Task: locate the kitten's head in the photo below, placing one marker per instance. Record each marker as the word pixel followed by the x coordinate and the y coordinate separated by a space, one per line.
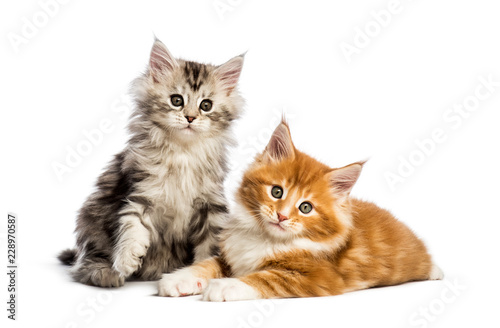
pixel 188 99
pixel 291 195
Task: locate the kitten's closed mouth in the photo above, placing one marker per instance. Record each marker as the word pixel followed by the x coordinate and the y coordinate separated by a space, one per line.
pixel 277 225
pixel 188 129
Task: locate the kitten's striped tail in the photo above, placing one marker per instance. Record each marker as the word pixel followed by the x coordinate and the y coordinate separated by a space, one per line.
pixel 67 256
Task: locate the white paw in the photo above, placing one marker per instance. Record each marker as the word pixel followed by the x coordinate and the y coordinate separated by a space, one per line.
pixel 181 283
pixel 128 258
pixel 229 289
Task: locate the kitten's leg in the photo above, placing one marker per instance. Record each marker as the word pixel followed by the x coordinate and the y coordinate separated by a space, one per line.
pixel 191 280
pixel 208 247
pixel 92 266
pixel 205 228
pixel 132 243
pixel 267 284
pixel 97 272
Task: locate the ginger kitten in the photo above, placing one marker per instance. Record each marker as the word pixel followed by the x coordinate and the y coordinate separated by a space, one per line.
pixel 295 232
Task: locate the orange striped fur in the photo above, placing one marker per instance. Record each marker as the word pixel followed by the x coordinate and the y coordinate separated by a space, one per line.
pixel 275 250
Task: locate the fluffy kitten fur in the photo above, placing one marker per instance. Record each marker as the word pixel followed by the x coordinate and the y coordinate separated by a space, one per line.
pixel 270 249
pixel 159 204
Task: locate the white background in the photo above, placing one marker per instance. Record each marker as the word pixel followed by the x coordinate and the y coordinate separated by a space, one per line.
pixel 73 72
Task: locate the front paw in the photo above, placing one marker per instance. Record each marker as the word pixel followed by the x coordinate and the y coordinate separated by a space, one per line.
pixel 128 259
pixel 181 283
pixel 229 289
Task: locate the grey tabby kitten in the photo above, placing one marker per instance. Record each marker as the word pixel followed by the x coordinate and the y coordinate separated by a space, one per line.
pixel 159 204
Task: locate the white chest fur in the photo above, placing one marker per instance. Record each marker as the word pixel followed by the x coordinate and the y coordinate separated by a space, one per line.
pixel 245 246
pixel 177 177
pixel 245 253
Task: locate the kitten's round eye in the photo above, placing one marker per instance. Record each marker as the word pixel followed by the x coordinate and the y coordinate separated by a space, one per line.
pixel 277 192
pixel 305 207
pixel 177 100
pixel 206 105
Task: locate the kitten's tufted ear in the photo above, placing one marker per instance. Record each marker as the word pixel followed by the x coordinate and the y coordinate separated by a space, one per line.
pixel 343 179
pixel 229 73
pixel 280 146
pixel 161 61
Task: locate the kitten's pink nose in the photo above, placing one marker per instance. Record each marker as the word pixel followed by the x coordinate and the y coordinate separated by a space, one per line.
pixel 281 217
pixel 190 119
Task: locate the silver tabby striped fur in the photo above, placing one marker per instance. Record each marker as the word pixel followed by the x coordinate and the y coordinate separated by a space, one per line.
pixel 160 203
